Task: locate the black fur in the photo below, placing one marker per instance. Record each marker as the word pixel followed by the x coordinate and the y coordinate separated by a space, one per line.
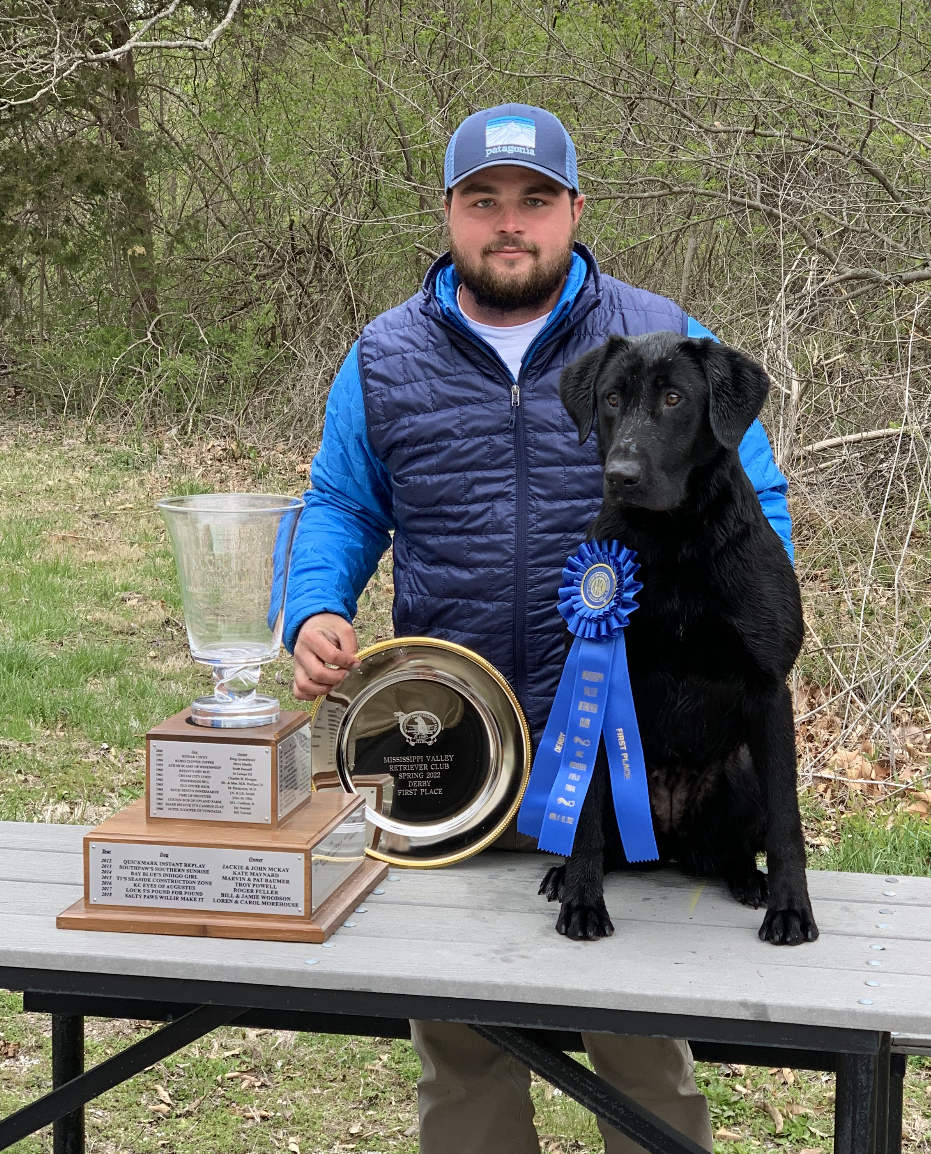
pixel 717 632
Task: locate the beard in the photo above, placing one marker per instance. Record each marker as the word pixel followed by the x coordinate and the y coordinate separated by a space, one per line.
pixel 509 293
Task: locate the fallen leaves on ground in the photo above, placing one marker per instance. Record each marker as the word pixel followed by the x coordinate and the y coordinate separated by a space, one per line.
pixel 773 1112
pixel 8 1049
pixel 252 1113
pixel 246 1078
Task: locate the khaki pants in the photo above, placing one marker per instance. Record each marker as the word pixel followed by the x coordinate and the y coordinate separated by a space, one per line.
pixel 474 1099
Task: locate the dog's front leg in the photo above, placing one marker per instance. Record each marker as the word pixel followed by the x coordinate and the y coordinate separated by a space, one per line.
pixel 583 915
pixel 771 738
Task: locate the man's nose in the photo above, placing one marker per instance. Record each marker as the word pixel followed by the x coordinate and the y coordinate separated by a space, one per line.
pixel 623 474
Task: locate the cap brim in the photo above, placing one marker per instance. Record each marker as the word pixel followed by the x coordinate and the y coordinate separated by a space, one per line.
pixel 508 162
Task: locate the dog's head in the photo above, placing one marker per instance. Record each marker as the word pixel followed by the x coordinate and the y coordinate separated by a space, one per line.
pixel 663 406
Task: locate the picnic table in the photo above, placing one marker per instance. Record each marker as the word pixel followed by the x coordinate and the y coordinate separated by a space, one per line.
pixel 473 943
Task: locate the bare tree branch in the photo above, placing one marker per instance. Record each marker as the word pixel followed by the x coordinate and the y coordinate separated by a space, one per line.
pixel 859 438
pixel 38 52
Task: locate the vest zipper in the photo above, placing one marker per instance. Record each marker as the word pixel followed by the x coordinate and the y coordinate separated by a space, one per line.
pixel 520 540
pixel 515 403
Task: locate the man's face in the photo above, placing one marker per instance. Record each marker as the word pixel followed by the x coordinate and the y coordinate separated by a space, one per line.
pixel 510 235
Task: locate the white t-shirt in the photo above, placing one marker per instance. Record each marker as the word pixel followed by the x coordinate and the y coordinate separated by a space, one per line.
pixel 509 343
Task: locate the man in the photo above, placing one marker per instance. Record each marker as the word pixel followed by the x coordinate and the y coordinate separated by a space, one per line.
pixel 444 425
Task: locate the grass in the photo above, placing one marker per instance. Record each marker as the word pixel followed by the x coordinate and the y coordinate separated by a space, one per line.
pixel 93 652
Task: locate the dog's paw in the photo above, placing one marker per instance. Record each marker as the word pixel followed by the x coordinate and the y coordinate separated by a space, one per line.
pixel 750 889
pixel 584 921
pixel 789 927
pixel 553 884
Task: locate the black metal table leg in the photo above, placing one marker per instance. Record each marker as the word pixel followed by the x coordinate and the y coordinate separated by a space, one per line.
pixel 881 1114
pixel 855 1103
pixel 604 1101
pixel 67 1099
pixel 898 1063
pixel 67 1063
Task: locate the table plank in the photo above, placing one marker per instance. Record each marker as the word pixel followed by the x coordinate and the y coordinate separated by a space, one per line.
pixel 38 835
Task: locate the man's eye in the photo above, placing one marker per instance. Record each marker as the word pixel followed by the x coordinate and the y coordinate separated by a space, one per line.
pixel 672 399
pixel 612 400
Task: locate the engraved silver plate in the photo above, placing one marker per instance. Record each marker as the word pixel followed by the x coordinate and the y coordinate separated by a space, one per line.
pixel 434 739
pixel 337 857
pixel 213 782
pixel 242 881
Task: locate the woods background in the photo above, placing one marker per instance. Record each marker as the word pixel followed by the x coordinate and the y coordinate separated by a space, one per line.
pixel 192 234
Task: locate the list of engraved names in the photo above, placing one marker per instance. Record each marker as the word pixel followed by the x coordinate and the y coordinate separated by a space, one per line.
pixel 197 877
pixel 210 781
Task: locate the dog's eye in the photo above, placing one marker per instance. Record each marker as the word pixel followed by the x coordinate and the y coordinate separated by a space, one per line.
pixel 611 398
pixel 672 399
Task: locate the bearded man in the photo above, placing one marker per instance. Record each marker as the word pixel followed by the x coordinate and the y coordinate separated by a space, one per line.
pixel 444 426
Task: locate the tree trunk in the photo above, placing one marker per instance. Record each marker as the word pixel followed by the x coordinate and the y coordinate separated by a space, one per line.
pixel 135 233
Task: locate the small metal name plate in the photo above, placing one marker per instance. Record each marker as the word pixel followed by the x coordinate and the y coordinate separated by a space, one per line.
pixel 213 781
pixel 337 857
pixel 294 755
pixel 197 878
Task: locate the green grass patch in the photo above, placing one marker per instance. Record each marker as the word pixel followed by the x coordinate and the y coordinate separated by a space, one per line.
pixel 868 846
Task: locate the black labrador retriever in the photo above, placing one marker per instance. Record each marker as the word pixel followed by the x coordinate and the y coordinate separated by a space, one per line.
pixel 710 647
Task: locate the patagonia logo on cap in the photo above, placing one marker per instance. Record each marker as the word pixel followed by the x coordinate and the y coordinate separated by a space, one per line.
pixel 510 134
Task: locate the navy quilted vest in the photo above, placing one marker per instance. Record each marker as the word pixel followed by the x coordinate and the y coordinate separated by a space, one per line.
pixel 490 499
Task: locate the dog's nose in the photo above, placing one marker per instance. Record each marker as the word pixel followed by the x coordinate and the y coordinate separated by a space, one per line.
pixel 623 474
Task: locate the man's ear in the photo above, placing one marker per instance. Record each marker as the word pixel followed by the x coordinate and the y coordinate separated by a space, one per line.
pixel 578 380
pixel 738 387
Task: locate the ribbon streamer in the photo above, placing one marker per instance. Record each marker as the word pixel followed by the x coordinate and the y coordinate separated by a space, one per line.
pixel 594 699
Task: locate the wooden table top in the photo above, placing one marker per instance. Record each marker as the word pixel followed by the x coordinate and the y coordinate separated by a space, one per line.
pixel 478 930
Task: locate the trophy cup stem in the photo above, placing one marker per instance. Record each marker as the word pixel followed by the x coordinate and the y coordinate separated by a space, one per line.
pixel 235 704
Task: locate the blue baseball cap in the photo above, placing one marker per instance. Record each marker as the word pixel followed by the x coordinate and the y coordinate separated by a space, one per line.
pixel 512 134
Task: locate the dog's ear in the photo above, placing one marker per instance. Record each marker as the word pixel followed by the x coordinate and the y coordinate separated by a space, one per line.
pixel 738 387
pixel 578 380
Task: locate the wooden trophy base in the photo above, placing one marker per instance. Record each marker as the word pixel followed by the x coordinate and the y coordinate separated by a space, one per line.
pixel 197 880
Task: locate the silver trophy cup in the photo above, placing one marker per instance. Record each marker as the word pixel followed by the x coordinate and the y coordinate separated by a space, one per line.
pixel 232 552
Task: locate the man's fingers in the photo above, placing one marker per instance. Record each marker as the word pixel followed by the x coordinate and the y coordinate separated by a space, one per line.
pixel 319 673
pixel 315 680
pixel 308 691
pixel 323 645
pixel 324 652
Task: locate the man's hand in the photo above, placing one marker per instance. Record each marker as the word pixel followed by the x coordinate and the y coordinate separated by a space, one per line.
pixel 324 653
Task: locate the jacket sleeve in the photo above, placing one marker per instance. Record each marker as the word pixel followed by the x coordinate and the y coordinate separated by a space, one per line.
pixel 756 456
pixel 347 520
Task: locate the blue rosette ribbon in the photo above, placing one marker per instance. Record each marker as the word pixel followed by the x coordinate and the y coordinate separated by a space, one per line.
pixel 594 700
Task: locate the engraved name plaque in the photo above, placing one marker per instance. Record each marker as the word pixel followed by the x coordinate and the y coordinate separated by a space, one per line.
pixel 191 779
pixel 294 770
pixel 197 878
pixel 335 857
